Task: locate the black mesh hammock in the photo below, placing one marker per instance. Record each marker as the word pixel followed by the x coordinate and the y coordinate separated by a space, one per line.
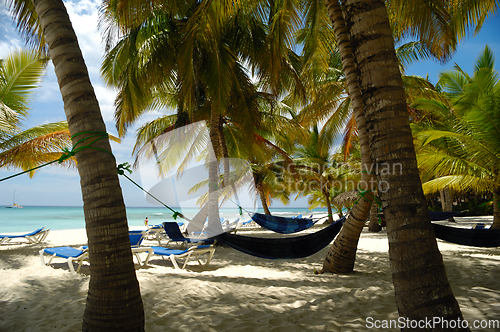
pixel 283 248
pixel 443 215
pixel 282 225
pixel 468 237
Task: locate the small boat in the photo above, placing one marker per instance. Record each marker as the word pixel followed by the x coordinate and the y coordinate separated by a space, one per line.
pixel 14 205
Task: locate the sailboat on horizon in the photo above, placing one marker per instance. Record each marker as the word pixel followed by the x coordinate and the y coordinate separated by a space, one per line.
pixel 14 205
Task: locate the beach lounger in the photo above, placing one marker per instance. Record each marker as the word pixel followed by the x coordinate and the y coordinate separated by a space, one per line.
pixel 80 255
pixel 156 232
pixel 175 254
pixel 230 226
pixel 246 224
pixel 136 238
pixel 68 253
pixel 34 237
pixel 174 233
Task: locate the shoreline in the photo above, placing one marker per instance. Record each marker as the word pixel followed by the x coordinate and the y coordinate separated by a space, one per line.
pixel 238 292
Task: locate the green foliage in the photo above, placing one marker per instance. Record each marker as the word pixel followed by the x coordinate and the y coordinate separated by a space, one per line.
pixel 459 142
pixel 20 74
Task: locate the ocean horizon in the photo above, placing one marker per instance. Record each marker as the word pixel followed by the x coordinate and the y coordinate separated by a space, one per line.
pixel 30 218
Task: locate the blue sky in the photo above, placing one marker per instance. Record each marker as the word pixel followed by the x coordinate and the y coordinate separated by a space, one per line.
pixel 54 186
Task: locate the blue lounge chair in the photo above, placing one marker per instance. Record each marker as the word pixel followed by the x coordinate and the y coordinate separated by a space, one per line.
pixel 157 232
pixel 230 226
pixel 68 253
pixel 34 237
pixel 195 251
pixel 80 255
pixel 174 233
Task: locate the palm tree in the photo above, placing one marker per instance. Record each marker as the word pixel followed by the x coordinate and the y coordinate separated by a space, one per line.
pixel 402 198
pixel 201 73
pixel 342 254
pixel 438 37
pixel 204 74
pixel 341 177
pixel 341 257
pixel 114 301
pixel 316 167
pixel 459 145
pixel 270 151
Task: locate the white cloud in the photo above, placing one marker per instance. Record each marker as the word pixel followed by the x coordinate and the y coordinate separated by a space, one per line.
pixel 9 40
pixel 106 97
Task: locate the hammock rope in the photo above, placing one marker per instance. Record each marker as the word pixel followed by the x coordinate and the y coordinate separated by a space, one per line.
pixel 126 167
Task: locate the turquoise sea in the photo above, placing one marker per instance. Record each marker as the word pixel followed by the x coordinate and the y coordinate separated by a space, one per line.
pixel 30 218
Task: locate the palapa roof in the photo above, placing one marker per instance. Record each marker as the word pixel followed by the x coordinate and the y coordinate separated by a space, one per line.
pixel 346 198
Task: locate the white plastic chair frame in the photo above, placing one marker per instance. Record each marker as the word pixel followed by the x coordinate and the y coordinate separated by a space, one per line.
pixel 32 239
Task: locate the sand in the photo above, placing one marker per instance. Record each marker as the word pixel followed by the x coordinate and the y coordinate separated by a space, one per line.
pixel 238 292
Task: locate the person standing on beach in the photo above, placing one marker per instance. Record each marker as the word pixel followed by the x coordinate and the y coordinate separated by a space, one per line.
pixel 146 221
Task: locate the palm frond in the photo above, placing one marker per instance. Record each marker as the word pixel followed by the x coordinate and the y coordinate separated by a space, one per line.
pixel 459 183
pixel 37 146
pixel 22 72
pixel 28 24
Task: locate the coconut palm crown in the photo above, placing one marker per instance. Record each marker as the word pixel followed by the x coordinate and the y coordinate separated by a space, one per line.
pixel 460 142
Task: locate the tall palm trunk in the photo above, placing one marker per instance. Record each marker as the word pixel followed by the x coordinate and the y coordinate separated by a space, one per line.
pixel 214 224
pixel 224 152
pixel 342 254
pixel 448 201
pixel 441 198
pixel 420 282
pixel 373 225
pixel 496 210
pixel 114 301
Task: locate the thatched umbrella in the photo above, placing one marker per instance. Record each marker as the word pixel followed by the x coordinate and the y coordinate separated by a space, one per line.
pixel 346 198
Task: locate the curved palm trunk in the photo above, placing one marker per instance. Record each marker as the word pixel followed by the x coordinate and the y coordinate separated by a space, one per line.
pixel 114 300
pixel 339 209
pixel 342 254
pixel 214 224
pixel 263 201
pixel 421 286
pixel 262 195
pixel 328 206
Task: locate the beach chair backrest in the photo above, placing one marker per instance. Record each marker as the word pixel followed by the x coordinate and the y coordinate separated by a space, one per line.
pixel 136 238
pixel 35 232
pixel 173 231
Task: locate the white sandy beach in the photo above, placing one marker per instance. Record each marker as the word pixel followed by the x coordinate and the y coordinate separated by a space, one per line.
pixel 238 292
